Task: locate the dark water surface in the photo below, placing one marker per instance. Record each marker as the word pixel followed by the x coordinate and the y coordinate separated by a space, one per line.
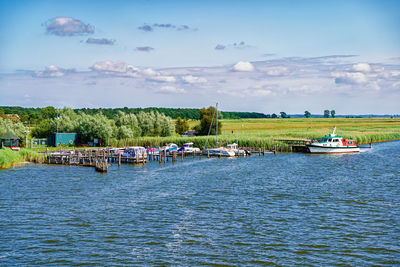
pixel 286 209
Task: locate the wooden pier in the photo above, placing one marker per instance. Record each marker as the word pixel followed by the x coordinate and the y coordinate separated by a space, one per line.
pixel 101 159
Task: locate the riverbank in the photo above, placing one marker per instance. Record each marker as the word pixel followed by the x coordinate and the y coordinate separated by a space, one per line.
pixel 269 133
pixel 9 158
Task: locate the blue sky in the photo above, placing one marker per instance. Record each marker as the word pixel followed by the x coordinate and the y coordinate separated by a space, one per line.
pixel 249 55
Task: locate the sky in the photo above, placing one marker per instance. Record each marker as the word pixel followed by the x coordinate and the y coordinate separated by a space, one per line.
pixel 262 56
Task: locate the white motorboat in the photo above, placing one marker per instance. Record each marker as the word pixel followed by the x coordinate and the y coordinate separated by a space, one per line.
pixel 333 144
pixel 188 148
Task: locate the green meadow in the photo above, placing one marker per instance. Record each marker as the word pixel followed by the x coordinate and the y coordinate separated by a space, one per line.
pixel 267 133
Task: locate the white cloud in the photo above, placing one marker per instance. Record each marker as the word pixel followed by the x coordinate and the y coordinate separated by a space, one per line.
pixel 149 72
pixel 395 73
pixel 243 66
pixel 110 66
pixel 66 26
pixel 278 71
pixel 170 90
pixel 169 79
pixel 52 71
pixel 361 67
pixel 193 79
pixel 350 78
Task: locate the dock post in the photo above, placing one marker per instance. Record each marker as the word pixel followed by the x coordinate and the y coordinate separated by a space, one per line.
pixel 182 154
pixel 165 156
pixel 174 156
pixel 208 153
pixel 119 159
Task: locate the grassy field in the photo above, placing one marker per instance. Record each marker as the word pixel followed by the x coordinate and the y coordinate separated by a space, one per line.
pixel 266 133
pixel 256 133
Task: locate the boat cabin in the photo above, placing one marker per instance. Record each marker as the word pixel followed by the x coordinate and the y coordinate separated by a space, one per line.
pixel 232 146
pixel 188 145
pixel 338 140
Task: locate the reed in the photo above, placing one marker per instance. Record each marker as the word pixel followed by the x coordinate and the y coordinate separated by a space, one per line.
pixel 9 158
pixel 266 133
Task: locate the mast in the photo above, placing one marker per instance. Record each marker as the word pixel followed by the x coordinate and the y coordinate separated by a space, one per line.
pixel 216 126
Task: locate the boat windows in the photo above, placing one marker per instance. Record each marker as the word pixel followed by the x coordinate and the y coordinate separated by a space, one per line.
pixel 329 140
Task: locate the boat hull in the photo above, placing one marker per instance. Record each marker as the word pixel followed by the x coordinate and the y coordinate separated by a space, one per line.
pixel 331 150
pixel 218 152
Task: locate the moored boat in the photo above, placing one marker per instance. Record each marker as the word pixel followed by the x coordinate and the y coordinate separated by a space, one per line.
pixel 188 148
pixel 333 144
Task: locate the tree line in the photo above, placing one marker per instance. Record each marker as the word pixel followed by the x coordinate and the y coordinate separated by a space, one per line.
pixel 35 115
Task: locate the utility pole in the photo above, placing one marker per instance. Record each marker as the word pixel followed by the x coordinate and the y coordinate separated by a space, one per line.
pixel 216 111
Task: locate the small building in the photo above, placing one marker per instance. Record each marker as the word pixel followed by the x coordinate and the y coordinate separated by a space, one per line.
pixel 189 133
pixel 56 139
pixel 9 139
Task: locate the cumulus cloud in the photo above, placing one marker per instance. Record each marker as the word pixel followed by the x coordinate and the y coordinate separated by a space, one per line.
pixel 243 66
pixel 150 28
pixel 149 72
pixel 170 90
pixel 102 41
pixel 66 26
pixel 52 71
pixel 109 66
pixel 361 67
pixel 350 78
pixel 220 47
pixel 193 79
pixel 161 78
pixel 144 48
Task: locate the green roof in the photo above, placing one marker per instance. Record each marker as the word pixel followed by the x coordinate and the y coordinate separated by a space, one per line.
pixel 8 135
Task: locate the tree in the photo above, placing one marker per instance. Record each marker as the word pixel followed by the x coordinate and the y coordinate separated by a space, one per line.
pixel 333 113
pixel 208 121
pixel 283 115
pixel 181 125
pixel 274 115
pixel 307 114
pixel 326 113
pixel 48 112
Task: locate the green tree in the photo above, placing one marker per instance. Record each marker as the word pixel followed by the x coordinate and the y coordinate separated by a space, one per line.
pixel 181 125
pixel 283 115
pixel 307 114
pixel 48 112
pixel 326 113
pixel 333 113
pixel 208 121
pixel 274 115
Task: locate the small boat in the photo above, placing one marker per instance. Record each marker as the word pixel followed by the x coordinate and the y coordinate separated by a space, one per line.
pixel 170 147
pixel 332 144
pixel 188 148
pixel 218 152
pixel 238 152
pixel 134 151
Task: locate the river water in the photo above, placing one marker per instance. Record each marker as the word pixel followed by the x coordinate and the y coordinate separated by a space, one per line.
pixel 283 210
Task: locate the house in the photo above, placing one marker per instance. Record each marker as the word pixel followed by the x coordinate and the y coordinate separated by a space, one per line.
pixel 189 133
pixel 9 139
pixel 56 139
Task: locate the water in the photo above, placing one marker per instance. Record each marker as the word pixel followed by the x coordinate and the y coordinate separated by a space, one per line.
pixel 283 210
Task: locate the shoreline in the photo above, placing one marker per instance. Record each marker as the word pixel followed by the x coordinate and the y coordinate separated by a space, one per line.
pixel 36 161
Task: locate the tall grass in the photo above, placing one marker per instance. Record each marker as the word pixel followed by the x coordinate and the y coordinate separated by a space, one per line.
pixel 9 158
pixel 266 133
